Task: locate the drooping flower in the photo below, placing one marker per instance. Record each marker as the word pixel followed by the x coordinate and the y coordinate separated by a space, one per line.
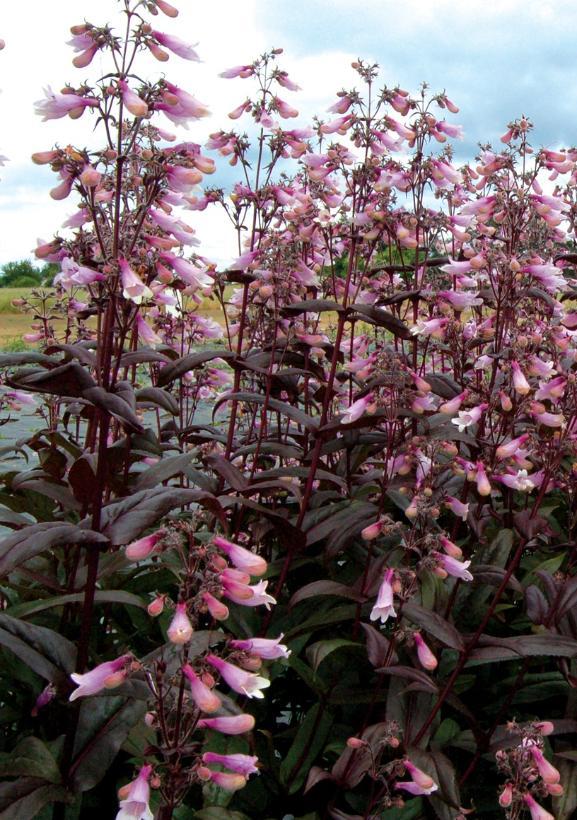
pixel 135 805
pixel 60 105
pixel 242 764
pixel 426 657
pixel 468 417
pixel 228 725
pixel 145 333
pixel 144 547
pixel 243 682
pixel 547 771
pixel 457 507
pixel 242 558
pixel 384 606
pixel 133 286
pixel 217 609
pixel 357 409
pixel 453 567
pixel 135 104
pixel 106 675
pixel 266 648
pixel 205 698
pixel 229 781
pixel 180 629
pixel 258 594
pixel 421 782
pixel 537 811
pixel 176 45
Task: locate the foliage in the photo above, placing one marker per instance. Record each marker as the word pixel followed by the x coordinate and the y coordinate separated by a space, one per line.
pixel 24 274
pixel 382 425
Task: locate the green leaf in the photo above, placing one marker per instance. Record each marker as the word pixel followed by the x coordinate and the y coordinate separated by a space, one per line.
pixel 101 596
pixel 43 650
pixel 165 469
pixel 318 652
pixel 103 725
pixel 218 813
pixel 33 540
pixel 30 758
pixel 308 743
pixel 22 799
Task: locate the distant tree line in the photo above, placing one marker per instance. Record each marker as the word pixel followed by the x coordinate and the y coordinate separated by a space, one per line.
pixel 24 274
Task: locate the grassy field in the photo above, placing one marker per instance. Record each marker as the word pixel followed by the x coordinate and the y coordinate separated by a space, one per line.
pixel 14 324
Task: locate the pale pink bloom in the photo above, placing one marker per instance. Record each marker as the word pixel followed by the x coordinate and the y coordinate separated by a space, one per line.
pixel 59 105
pixel 451 549
pixel 421 782
pixel 454 131
pixel 228 725
pixel 135 805
pixel 266 648
pixel 240 109
pixel 550 419
pixel 243 261
pixel 537 811
pixel 468 417
pixel 423 404
pixel 74 274
pixel 520 383
pixel 458 569
pixel 426 658
pixel 510 448
pixel 183 179
pixel 195 277
pixel 224 780
pixel 176 45
pixel 429 327
pixel 180 106
pixel 106 675
pixel 138 550
pixel 145 333
pixel 339 125
pixel 217 609
pixel 156 607
pixel 506 796
pixel 45 157
pixel 79 218
pixel 413 788
pixel 166 8
pixel 284 109
pixel 372 531
pixel 90 176
pixel 341 106
pixel 457 507
pixel 242 764
pixel 384 605
pixel 283 79
pixel 547 771
pixel 131 100
pixel 242 558
pixel 521 481
pixel 483 483
pixel 551 390
pixel 451 406
pixel 238 71
pixel 206 699
pixel 549 276
pixel 133 286
pixel 460 300
pixel 258 597
pixel 243 682
pixel 356 409
pixel 180 629
pixel 62 190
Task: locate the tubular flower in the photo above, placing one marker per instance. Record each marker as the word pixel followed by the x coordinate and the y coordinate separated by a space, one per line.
pixel 176 45
pixel 60 105
pixel 228 725
pixel 383 608
pixel 133 286
pixel 426 658
pixel 238 593
pixel 537 811
pixel 217 609
pixel 180 629
pixel 242 558
pixel 138 550
pixel 239 763
pixel 106 675
pixel 135 805
pixel 458 569
pixel 206 699
pixel 131 100
pixel 266 648
pixel 245 683
pixel 421 783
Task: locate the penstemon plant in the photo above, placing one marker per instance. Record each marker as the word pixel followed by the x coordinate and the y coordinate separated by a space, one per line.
pixel 379 415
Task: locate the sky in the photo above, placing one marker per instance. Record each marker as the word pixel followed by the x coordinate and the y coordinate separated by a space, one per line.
pixel 497 59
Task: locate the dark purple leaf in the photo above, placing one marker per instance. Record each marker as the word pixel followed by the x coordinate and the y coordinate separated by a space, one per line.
pixel 433 623
pixel 316 588
pixel 33 540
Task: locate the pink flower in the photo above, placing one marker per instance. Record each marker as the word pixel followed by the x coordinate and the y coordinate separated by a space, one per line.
pixel 341 106
pixel 453 567
pixel 242 558
pixel 547 771
pixel 180 629
pixel 131 100
pixel 180 106
pixel 224 780
pixel 457 507
pixel 537 811
pixel 217 609
pixel 228 725
pixel 283 79
pixel 510 448
pixel 451 549
pixel 383 608
pixel 135 805
pixel 242 764
pixel 426 658
pixel 138 550
pixel 468 417
pixel 106 675
pixel 506 796
pixel 237 71
pixel 145 333
pixel 483 483
pixel 520 383
pixel 356 409
pixel 133 286
pixel 59 105
pixel 267 648
pixel 45 696
pixel 451 406
pixel 205 698
pixel 284 109
pixel 421 782
pixel 176 45
pixel 243 682
pixel 166 8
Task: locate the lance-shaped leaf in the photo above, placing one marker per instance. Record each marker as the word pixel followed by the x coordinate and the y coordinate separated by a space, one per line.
pixel 30 758
pixel 33 540
pixel 308 743
pixel 115 405
pixel 159 397
pixel 178 368
pixel 46 652
pixel 27 796
pixel 435 625
pixel 298 416
pixel 381 318
pixel 166 468
pixel 66 380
